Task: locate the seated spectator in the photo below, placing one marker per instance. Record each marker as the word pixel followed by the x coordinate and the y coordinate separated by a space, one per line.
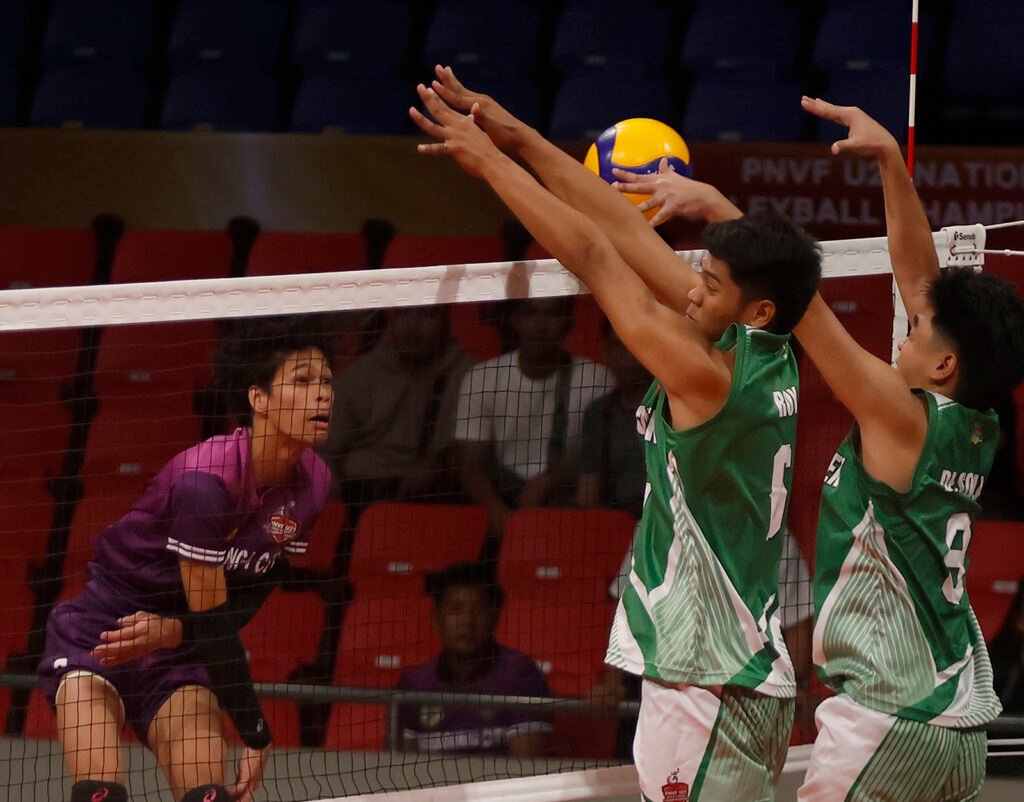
pixel 519 415
pixel 612 469
pixel 467 602
pixel 394 409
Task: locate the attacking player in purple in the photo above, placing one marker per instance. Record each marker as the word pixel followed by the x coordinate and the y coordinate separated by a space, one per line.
pixel 184 569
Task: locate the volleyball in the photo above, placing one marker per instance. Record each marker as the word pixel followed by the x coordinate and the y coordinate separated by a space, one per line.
pixel 638 145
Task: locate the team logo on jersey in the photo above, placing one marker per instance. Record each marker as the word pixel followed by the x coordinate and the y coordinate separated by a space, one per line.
pixel 430 716
pixel 282 527
pixel 675 791
pixel 976 437
pixel 835 467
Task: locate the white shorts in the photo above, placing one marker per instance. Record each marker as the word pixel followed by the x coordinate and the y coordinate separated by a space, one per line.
pixel 694 745
pixel 862 755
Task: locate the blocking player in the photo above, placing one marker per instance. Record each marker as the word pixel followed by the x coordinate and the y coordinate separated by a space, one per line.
pixel 186 567
pixel 699 619
pixel 895 634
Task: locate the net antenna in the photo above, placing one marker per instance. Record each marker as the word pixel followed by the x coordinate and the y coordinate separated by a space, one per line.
pixel 913 88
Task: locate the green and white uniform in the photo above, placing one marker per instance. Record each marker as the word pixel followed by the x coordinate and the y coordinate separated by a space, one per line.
pixel 701 604
pixel 895 634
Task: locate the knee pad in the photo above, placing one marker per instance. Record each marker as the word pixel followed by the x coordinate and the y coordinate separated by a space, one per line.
pixel 207 793
pixel 98 791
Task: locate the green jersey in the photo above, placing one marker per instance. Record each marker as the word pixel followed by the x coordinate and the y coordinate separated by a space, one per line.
pixel 895 630
pixel 701 603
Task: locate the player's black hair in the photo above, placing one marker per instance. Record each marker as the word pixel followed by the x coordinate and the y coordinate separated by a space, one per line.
pixel 982 316
pixel 769 256
pixel 251 350
pixel 465 574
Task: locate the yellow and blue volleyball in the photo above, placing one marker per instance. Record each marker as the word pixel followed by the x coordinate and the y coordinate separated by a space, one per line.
pixel 638 145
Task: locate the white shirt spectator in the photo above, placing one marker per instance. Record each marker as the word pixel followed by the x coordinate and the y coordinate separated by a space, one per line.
pixel 498 404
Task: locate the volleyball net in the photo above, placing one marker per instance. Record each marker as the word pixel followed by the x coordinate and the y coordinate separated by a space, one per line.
pixel 444 620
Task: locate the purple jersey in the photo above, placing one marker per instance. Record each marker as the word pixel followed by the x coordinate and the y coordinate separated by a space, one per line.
pixel 433 728
pixel 204 507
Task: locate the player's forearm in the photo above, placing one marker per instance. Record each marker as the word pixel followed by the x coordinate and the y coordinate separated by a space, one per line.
pixel 911 247
pixel 860 380
pixel 569 235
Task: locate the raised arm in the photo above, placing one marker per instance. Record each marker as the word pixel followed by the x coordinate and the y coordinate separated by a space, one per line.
pixel 639 245
pixel 914 262
pixel 670 346
pixel 893 422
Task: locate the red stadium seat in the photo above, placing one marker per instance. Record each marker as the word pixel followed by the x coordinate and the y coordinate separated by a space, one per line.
pixel 563 553
pixel 40 721
pixel 380 638
pixel 163 362
pixel 284 634
pixel 566 638
pixel 127 438
pixel 27 511
pixel 285 252
pixel 996 565
pixel 407 250
pixel 169 255
pixel 103 504
pixel 33 440
pixel 46 257
pixel 37 365
pixel 395 540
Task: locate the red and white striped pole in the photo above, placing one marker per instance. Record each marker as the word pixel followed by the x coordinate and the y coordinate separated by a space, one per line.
pixel 913 89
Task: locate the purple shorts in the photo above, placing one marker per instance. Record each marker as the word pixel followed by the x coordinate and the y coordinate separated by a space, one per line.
pixel 73 630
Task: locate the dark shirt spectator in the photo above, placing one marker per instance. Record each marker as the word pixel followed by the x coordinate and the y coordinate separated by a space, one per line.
pixel 394 409
pixel 466 606
pixel 612 470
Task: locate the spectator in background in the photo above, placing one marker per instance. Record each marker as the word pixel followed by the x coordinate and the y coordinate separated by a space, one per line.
pixel 520 414
pixel 394 409
pixel 467 602
pixel 612 470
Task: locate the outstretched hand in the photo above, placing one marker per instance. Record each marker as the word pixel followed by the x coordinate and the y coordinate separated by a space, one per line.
pixel 675 195
pixel 458 134
pixel 866 136
pixel 505 130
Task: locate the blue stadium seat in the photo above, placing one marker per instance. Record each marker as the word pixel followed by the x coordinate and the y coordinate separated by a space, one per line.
pixel 243 31
pixel 366 39
pixel 731 112
pixel 478 39
pixel 90 96
pixel 120 31
pixel 587 104
pixel 984 57
pixel 221 100
pixel 353 105
pixel 885 95
pixel 864 36
pixel 592 35
pixel 15 29
pixel 10 94
pixel 521 96
pixel 750 40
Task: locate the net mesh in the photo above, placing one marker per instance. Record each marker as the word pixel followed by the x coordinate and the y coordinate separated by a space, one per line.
pixel 471 426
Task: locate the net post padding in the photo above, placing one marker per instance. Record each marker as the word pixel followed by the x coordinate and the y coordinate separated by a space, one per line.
pixel 209 299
